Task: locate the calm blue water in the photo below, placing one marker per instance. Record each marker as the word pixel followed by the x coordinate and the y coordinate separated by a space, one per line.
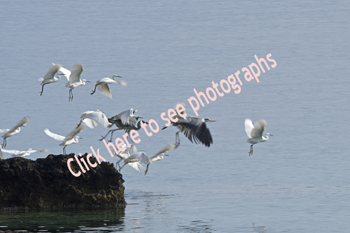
pixel 295 182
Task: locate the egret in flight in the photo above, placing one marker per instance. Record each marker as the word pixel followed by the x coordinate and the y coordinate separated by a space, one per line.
pixel 92 118
pixel 73 78
pixel 17 153
pixel 255 132
pixel 14 130
pixel 102 85
pixel 125 157
pixel 141 157
pixel 71 138
pixel 50 77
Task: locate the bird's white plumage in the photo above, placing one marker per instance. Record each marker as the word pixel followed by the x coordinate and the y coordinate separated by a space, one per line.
pixel 51 76
pixel 14 130
pixel 17 153
pixel 74 76
pixel 255 132
pixel 92 118
pixel 102 85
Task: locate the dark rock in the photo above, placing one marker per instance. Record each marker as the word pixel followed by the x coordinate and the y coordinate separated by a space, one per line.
pixel 48 184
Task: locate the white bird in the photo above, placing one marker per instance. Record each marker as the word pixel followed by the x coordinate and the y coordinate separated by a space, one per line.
pixel 92 118
pixel 255 132
pixel 73 78
pixel 125 156
pixel 50 77
pixel 14 130
pixel 141 157
pixel 69 139
pixel 17 153
pixel 102 85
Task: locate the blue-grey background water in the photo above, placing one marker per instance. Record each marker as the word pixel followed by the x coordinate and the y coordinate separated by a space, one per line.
pixel 295 182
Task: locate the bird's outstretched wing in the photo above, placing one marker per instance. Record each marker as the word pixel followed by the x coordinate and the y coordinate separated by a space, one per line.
pixel 30 150
pixel 104 89
pixel 53 135
pixel 23 122
pixel 15 152
pixel 196 131
pixel 4 130
pixel 169 147
pixel 248 125
pixel 64 72
pixel 259 127
pixel 52 71
pixel 91 118
pixel 74 132
pixel 76 72
pixel 137 166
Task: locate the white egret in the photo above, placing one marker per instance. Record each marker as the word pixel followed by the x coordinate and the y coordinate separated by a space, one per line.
pixel 73 78
pixel 124 156
pixel 126 120
pixel 71 138
pixel 102 85
pixel 135 156
pixel 14 130
pixel 255 132
pixel 50 77
pixel 92 118
pixel 17 153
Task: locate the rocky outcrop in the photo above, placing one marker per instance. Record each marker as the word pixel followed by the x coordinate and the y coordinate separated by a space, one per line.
pixel 48 184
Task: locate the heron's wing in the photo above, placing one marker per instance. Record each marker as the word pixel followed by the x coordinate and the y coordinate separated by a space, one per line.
pixel 74 132
pixel 65 72
pixel 76 72
pixel 248 125
pixel 137 166
pixel 53 135
pixel 259 127
pixel 167 148
pixel 104 89
pixel 23 122
pixel 95 117
pixel 196 131
pixel 4 130
pixel 52 71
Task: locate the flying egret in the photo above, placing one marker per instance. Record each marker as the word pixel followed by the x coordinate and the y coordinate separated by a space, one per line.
pixel 255 132
pixel 50 77
pixel 124 156
pixel 69 139
pixel 73 78
pixel 136 156
pixel 92 118
pixel 126 120
pixel 14 130
pixel 102 85
pixel 17 153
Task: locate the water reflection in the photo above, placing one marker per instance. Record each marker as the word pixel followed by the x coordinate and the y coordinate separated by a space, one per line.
pixel 101 220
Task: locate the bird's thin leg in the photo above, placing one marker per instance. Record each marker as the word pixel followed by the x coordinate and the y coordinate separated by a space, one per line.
pixel 4 143
pixel 70 94
pixel 251 150
pixel 164 127
pixel 146 169
pixel 177 139
pixel 64 150
pixel 93 90
pixel 122 167
pixel 42 89
pixel 79 124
